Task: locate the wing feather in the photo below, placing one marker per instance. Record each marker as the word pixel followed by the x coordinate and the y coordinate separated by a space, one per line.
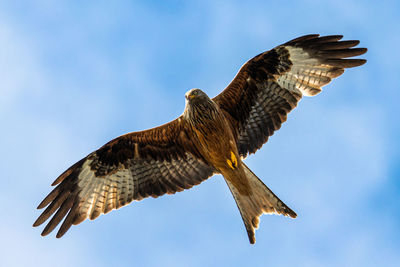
pixel 271 84
pixel 131 167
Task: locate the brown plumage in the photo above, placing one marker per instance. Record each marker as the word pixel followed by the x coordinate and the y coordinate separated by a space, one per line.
pixel 212 136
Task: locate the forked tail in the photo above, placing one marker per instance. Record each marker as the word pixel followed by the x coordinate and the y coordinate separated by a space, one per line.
pixel 261 200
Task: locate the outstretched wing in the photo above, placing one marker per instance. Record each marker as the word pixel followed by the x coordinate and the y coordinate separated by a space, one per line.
pixel 271 84
pixel 131 167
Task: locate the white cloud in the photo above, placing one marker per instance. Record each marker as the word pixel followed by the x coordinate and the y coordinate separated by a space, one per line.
pixel 327 161
pixel 18 68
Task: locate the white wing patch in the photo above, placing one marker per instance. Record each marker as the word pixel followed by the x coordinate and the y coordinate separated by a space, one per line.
pixel 307 75
pixel 102 194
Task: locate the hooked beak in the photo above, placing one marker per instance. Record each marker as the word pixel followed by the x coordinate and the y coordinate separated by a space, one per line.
pixel 189 96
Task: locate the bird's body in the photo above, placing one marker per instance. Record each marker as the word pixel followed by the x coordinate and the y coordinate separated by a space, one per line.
pixel 211 132
pixel 212 136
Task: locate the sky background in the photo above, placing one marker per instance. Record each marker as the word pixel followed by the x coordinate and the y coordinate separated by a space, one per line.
pixel 75 74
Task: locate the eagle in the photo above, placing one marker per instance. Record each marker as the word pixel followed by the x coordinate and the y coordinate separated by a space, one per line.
pixel 212 136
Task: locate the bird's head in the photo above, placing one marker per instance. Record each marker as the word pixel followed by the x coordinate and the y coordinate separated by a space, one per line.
pixel 198 104
pixel 195 95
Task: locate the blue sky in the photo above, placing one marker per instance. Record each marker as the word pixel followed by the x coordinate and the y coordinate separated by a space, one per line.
pixel 75 75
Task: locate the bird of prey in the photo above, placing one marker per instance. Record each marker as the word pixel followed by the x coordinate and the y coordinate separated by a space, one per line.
pixel 212 136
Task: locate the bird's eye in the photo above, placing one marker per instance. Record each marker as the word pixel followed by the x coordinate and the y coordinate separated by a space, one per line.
pixel 194 93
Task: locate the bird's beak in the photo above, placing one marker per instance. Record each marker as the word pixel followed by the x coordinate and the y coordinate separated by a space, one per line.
pixel 189 97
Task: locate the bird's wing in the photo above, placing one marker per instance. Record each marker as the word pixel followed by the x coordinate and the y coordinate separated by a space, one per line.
pixel 131 167
pixel 269 86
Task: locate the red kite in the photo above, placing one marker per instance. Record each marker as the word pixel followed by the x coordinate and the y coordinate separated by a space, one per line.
pixel 211 136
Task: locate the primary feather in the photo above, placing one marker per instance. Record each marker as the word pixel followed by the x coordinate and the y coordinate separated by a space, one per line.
pixel 212 136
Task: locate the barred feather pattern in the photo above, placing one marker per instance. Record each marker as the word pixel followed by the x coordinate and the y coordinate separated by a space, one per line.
pixel 165 159
pixel 271 84
pixel 267 114
pixel 131 167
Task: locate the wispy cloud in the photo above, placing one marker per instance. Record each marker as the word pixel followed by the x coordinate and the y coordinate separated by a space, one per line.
pixel 75 76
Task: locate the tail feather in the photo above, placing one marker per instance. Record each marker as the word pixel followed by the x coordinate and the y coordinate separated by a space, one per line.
pixel 261 200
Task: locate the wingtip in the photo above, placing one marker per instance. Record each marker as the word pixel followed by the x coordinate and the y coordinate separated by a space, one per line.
pixel 302 38
pixel 39 221
pixel 334 37
pixel 44 233
pixel 364 49
pixel 41 205
pixel 362 62
pixel 356 62
pixel 59 235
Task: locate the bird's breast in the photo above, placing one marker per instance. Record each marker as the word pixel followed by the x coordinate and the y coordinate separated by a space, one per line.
pixel 215 141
